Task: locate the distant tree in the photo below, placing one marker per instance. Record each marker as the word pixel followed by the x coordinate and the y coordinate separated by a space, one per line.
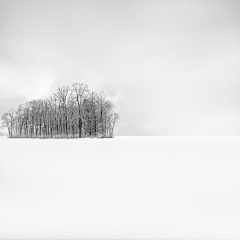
pixel 8 121
pixel 5 123
pixel 70 112
pixel 114 119
pixel 80 92
pixel 62 98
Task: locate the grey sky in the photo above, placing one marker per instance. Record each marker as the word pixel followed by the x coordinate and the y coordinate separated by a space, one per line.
pixel 170 67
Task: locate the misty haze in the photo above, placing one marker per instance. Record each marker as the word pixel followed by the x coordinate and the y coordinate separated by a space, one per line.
pixel 119 119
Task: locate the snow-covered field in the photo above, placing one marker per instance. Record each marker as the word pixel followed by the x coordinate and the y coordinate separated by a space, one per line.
pixel 121 188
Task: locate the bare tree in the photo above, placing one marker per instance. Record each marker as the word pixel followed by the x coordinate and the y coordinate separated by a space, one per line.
pixel 80 92
pixel 70 112
pixel 62 96
pixel 114 121
pixel 6 123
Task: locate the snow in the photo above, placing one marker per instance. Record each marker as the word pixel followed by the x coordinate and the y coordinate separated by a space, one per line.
pixel 121 188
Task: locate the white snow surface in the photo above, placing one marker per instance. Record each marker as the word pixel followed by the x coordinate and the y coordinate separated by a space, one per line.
pixel 121 188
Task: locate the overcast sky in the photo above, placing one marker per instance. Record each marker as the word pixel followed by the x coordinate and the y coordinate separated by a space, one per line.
pixel 170 67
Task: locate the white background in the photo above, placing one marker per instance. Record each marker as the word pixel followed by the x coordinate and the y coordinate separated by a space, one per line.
pixel 121 188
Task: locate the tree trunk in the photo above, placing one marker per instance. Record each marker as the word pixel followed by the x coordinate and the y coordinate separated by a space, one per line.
pixel 80 127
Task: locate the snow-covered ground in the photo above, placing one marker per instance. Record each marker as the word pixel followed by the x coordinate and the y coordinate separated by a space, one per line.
pixel 121 188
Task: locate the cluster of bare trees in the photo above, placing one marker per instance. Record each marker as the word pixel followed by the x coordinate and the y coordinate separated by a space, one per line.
pixel 72 112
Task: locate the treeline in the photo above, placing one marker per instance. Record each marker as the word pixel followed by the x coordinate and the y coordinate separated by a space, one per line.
pixel 71 112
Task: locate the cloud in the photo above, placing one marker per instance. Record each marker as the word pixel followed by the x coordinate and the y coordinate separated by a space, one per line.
pixel 30 83
pixel 169 67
